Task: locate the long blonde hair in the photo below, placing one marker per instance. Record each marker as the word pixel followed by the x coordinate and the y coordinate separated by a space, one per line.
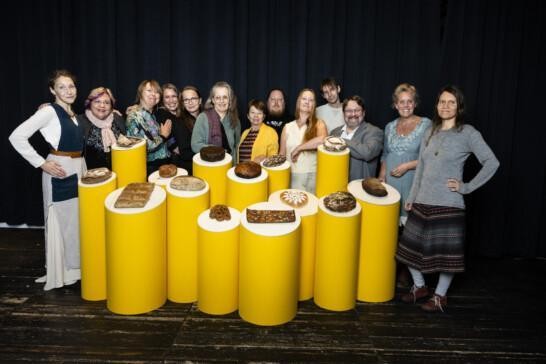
pixel 311 122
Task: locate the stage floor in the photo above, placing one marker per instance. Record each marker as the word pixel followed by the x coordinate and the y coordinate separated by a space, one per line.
pixel 496 313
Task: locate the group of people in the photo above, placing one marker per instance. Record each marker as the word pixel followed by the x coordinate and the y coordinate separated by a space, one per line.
pixel 422 158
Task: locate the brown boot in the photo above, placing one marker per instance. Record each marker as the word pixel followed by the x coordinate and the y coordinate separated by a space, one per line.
pixel 435 303
pixel 415 294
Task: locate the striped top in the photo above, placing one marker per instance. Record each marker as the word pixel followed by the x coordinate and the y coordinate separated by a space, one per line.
pixel 245 149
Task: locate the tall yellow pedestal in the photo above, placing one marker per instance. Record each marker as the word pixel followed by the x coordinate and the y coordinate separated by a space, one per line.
pixel 129 164
pixel 378 241
pixel 308 214
pixel 332 171
pixel 218 263
pixel 164 182
pixel 92 237
pixel 336 269
pixel 279 177
pixel 215 174
pixel 243 192
pixel 268 269
pixel 136 257
pixel 183 208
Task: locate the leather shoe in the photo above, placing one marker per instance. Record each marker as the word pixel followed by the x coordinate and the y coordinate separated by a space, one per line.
pixel 435 303
pixel 415 294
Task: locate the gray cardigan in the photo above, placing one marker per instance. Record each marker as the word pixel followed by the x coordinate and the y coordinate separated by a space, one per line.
pixel 365 147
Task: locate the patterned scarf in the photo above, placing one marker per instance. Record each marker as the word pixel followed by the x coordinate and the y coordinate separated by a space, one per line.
pixel 105 126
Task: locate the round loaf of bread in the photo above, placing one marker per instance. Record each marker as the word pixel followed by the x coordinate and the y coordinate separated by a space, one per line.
pixel 334 144
pixel 96 175
pixel 294 198
pixel 187 183
pixel 340 201
pixel 167 171
pixel 374 187
pixel 248 170
pixel 212 153
pixel 274 160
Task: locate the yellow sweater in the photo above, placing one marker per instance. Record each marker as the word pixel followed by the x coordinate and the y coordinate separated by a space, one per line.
pixel 266 143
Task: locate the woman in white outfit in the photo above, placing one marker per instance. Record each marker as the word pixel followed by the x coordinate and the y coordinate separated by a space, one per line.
pixel 299 141
pixel 61 169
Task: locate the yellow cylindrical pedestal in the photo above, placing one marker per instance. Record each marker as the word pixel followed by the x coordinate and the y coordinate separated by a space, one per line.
pixel 92 237
pixel 336 269
pixel 215 174
pixel 308 214
pixel 218 263
pixel 163 182
pixel 129 164
pixel 279 177
pixel 136 257
pixel 183 208
pixel 268 269
pixel 243 192
pixel 378 241
pixel 332 171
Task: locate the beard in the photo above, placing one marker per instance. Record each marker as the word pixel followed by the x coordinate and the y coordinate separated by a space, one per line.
pixel 276 113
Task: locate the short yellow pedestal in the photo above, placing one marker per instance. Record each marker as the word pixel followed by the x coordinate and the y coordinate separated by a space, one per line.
pixel 92 237
pixel 129 164
pixel 279 177
pixel 336 269
pixel 243 192
pixel 136 257
pixel 183 208
pixel 332 171
pixel 378 241
pixel 218 263
pixel 308 214
pixel 163 182
pixel 268 269
pixel 215 174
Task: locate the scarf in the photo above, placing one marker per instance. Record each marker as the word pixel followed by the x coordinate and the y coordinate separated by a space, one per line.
pixel 105 126
pixel 217 134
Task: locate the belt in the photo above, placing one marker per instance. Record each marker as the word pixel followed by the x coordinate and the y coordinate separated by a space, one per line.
pixel 66 154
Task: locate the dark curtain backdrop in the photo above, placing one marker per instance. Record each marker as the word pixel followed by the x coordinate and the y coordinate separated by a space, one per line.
pixel 494 50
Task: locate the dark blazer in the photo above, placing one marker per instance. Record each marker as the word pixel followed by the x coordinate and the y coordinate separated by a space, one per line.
pixel 365 148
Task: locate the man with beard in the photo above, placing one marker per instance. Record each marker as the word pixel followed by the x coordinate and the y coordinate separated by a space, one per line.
pixel 330 112
pixel 364 140
pixel 276 107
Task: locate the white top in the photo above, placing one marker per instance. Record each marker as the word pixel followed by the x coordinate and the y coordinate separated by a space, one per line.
pixel 157 197
pixel 321 149
pixel 92 185
pixel 118 148
pixel 347 135
pixel 307 160
pixel 227 160
pixel 215 226
pixel 355 188
pixel 187 194
pixel 280 167
pixel 47 122
pixel 270 229
pixel 351 213
pixel 155 178
pixel 310 208
pixel 332 116
pixel 232 176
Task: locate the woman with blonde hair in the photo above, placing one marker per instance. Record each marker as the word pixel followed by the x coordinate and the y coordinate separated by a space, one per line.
pixel 300 139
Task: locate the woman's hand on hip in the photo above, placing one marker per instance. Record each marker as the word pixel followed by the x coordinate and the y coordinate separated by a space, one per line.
pixel 53 168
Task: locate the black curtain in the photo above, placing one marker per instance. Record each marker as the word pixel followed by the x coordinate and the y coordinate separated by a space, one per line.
pixel 492 49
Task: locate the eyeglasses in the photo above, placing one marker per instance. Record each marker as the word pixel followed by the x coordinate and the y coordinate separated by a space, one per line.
pixel 190 100
pixel 352 111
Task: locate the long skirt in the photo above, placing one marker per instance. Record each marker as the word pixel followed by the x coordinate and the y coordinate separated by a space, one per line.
pixel 62 230
pixel 433 239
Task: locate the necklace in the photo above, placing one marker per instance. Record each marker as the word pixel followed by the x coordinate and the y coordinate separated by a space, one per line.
pixel 405 128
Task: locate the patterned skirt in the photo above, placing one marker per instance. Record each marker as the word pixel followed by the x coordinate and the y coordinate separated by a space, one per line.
pixel 433 239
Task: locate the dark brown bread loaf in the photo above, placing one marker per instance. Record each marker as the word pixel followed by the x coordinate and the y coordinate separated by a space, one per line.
pixel 167 171
pixel 374 187
pixel 212 153
pixel 248 170
pixel 220 213
pixel 340 201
